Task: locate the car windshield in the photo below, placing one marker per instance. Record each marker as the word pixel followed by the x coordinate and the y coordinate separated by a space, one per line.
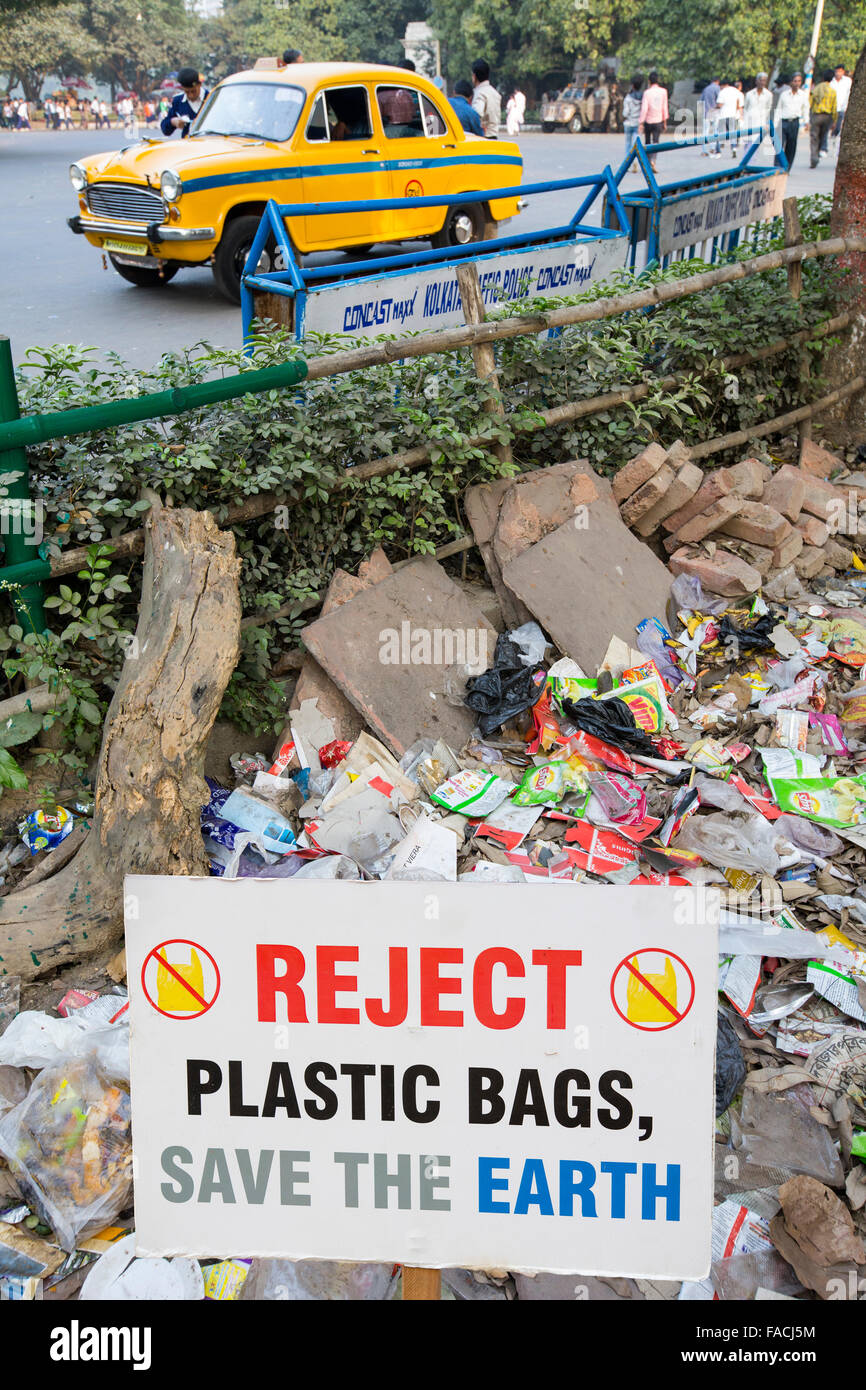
pixel 262 110
pixel 569 94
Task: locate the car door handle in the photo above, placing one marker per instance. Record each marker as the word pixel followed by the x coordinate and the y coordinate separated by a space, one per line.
pixel 369 151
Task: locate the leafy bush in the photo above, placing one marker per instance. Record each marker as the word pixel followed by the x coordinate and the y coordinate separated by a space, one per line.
pixel 301 443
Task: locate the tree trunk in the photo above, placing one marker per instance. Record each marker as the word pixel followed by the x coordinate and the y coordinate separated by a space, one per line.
pixel 150 785
pixel 848 218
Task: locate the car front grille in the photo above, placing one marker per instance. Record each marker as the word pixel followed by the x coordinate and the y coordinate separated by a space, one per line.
pixel 128 201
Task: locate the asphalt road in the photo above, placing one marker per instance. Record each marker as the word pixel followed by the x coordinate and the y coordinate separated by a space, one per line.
pixel 55 289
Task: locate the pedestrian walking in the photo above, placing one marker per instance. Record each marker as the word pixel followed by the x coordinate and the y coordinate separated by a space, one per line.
pixel 514 112
pixel 758 110
pixel 631 104
pixel 126 112
pixel 22 115
pixel 466 113
pixel 841 85
pixel 710 107
pixel 94 111
pixel 792 114
pixel 729 128
pixel 48 112
pixel 653 114
pixel 104 118
pixel 822 107
pixel 486 100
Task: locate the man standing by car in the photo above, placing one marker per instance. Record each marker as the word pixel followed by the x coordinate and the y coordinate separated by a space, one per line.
pixel 187 104
pixel 466 113
pixel 486 100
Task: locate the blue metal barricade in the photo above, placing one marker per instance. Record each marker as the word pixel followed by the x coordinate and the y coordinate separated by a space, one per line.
pixel 700 217
pixel 417 290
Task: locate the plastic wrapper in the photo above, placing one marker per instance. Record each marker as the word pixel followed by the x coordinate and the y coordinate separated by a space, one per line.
pixel 314 1281
pixel 531 643
pixel 835 801
pixel 542 786
pixel 739 1277
pixel 652 639
pixel 249 813
pixel 730 1066
pixel 472 792
pixel 332 754
pixel 35 1039
pixel 507 688
pixel 248 764
pixel 777 1130
pixel 814 839
pixel 733 841
pixel 68 1146
pixel 687 593
pixel 46 829
pixel 619 799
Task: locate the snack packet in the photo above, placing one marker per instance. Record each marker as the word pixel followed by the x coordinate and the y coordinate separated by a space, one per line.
pixel 472 792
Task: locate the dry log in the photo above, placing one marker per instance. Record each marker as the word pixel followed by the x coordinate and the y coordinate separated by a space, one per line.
pixel 150 785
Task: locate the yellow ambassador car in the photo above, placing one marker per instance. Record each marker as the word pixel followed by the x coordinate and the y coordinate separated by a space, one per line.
pixel 307 133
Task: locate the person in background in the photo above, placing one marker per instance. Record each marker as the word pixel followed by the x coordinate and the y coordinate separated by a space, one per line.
pixel 187 104
pixel 653 113
pixel 513 115
pixel 486 100
pixel 8 115
pixel 67 116
pixel 758 110
pixel 792 114
pixel 741 105
pixel 728 125
pixel 407 65
pixel 631 104
pixel 290 55
pixel 48 112
pixel 104 118
pixel 841 84
pixel 710 105
pixel 822 106
pixel 22 115
pixel 94 111
pixel 466 113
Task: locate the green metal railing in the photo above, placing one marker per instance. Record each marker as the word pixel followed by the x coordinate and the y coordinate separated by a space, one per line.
pixel 22 568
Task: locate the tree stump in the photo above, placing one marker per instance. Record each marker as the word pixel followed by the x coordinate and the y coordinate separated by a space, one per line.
pixel 150 783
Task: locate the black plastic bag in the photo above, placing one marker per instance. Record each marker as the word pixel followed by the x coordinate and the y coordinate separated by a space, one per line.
pixel 730 1066
pixel 612 721
pixel 506 689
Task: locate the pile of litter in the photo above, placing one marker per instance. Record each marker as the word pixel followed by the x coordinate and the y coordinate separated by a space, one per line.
pixel 589 718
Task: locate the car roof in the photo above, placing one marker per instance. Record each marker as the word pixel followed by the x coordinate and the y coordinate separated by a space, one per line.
pixel 311 75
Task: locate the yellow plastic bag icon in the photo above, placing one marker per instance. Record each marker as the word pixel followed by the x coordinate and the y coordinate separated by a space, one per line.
pixel 642 1005
pixel 171 992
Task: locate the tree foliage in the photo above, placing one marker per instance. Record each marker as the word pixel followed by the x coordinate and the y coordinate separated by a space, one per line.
pixel 45 39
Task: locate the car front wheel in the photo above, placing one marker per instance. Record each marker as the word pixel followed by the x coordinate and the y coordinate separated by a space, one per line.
pixel 231 256
pixel 576 125
pixel 462 225
pixel 144 276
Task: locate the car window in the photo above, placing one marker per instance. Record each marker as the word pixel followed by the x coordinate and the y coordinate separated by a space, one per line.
pixel 264 110
pixel 400 109
pixel 345 115
pixel 434 122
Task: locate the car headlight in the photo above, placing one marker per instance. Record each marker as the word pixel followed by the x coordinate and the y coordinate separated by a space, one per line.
pixel 77 177
pixel 171 185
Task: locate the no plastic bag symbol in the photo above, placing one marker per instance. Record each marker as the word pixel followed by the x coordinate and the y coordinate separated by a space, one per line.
pixel 652 989
pixel 180 979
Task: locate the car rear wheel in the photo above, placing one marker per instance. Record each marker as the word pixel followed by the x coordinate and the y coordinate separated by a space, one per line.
pixel 145 276
pixel 231 256
pixel 548 127
pixel 463 224
pixel 575 125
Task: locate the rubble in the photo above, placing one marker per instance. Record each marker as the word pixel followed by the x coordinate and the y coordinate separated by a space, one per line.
pixel 698 719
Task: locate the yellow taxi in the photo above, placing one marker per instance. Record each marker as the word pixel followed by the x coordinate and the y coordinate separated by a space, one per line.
pixel 307 133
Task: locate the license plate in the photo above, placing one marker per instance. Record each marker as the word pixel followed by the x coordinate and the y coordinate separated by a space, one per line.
pixel 128 248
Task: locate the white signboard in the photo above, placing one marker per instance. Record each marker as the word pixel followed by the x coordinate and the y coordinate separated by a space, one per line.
pixel 434 1074
pixel 715 211
pixel 426 297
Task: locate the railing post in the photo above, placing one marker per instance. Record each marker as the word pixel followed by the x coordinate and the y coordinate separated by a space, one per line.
pixel 483 353
pixel 20 532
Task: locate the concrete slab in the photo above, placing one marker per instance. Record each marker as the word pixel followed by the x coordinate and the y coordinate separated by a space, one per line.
pixel 511 514
pixel 584 581
pixel 313 682
pixel 395 649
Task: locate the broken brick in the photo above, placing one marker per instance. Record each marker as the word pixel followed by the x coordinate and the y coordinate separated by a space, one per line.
pixel 787 550
pixel 683 487
pixel 820 463
pixel 810 561
pixel 785 491
pixel 813 531
pixel 758 523
pixel 717 485
pixel 637 471
pixel 825 501
pixel 837 556
pixel 722 573
pixel 714 517
pixel 749 478
pixel 646 497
